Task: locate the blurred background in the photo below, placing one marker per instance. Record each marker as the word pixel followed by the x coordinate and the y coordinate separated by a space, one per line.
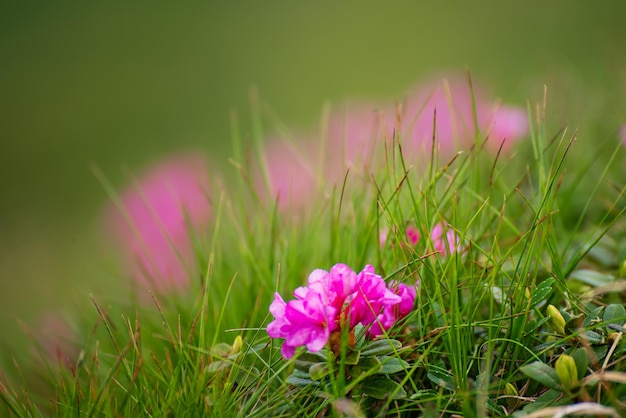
pixel 119 85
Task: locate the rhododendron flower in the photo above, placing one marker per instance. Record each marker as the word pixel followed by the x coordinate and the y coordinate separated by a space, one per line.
pixel 393 313
pixel 372 295
pixel 452 101
pixel 291 170
pixel 445 240
pixel 304 321
pixel 152 225
pixel 413 235
pixel 332 300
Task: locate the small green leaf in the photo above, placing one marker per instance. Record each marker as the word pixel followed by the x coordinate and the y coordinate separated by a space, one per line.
pixel 216 366
pixel 581 358
pixel 541 292
pixel 298 378
pixel 307 359
pixel 382 388
pixel 392 365
pixel 592 278
pixel 221 350
pixel 543 374
pixel 614 314
pixel 593 337
pixel 441 378
pixel 319 371
pixel 248 377
pixel 381 347
pixel 353 358
pixel 369 365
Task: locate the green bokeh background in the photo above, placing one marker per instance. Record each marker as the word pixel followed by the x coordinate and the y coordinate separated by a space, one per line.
pixel 118 84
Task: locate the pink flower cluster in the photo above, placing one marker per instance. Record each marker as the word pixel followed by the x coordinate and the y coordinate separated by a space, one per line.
pixel 360 136
pixel 152 227
pixel 335 299
pixel 443 238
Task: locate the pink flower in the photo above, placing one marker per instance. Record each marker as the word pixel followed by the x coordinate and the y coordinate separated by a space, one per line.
pixel 307 321
pixel 292 174
pixel 332 300
pixel 152 225
pixel 393 313
pixel 371 297
pixel 445 240
pixel 413 235
pixel 357 135
pixel 622 134
pixel 452 101
pixel 57 340
pixel 504 123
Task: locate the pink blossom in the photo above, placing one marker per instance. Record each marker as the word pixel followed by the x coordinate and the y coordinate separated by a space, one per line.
pixel 393 313
pixel 371 297
pixel 307 321
pixel 152 225
pixel 57 340
pixel 504 124
pixel 445 241
pixel 622 134
pixel 289 175
pixel 357 135
pixel 413 235
pixel 455 125
pixel 332 300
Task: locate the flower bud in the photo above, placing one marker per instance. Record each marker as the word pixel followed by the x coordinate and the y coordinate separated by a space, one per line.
pixel 511 390
pixel 557 322
pixel 567 372
pixel 237 344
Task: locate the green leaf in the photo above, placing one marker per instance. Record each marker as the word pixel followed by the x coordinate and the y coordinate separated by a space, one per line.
pixel 582 361
pixel 248 377
pixel 541 292
pixel 221 350
pixel 353 358
pixel 369 365
pixel 614 314
pixel 543 374
pixel 392 365
pixel 592 278
pixel 298 378
pixel 216 366
pixel 382 388
pixel 441 378
pixel 320 370
pixel 593 337
pixel 381 347
pixel 307 359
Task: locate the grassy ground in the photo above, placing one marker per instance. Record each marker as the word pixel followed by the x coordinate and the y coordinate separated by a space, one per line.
pixel 526 319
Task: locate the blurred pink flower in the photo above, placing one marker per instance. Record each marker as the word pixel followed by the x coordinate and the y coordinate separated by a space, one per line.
pixel 57 340
pixel 452 101
pixel 445 240
pixel 622 134
pixel 504 123
pixel 413 234
pixel 152 227
pixel 291 170
pixel 357 136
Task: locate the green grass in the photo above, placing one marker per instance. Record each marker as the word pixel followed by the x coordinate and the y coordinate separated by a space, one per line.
pixel 541 282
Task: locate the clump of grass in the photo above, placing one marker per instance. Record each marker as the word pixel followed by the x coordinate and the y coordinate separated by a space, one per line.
pixel 526 316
